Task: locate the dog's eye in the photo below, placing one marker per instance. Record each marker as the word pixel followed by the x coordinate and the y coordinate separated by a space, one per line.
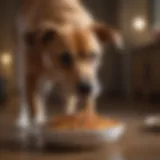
pixel 66 59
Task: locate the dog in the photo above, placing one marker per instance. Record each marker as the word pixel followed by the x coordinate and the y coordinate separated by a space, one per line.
pixel 59 41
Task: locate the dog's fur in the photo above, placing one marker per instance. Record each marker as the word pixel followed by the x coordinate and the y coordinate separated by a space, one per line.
pixel 45 30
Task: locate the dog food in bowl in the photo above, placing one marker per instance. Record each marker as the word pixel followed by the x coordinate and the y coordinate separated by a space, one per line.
pixel 79 121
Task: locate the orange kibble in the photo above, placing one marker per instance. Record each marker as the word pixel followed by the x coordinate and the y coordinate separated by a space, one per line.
pixel 79 121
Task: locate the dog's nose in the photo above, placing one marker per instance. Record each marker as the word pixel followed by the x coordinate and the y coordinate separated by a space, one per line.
pixel 84 88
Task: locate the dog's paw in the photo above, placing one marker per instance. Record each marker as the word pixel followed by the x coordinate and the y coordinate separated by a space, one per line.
pixel 23 122
pixel 37 136
pixel 39 120
pixel 70 110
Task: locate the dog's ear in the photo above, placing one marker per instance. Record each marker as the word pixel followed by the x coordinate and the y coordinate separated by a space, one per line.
pixel 107 34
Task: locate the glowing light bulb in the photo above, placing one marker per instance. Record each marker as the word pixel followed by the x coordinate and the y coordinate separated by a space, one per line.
pixel 139 24
pixel 6 59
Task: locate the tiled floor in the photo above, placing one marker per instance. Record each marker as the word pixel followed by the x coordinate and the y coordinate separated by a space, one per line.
pixel 136 144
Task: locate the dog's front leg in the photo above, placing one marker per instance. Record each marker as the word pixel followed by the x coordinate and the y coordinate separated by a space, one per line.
pixel 43 89
pixel 23 120
pixel 27 95
pixel 31 93
pixel 70 102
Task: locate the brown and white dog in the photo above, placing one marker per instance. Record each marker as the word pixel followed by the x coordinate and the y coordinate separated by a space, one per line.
pixel 58 40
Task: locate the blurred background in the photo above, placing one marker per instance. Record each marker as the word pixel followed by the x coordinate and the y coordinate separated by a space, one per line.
pixel 130 78
pixel 133 75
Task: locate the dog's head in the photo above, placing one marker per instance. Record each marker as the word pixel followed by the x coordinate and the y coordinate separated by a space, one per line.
pixel 75 54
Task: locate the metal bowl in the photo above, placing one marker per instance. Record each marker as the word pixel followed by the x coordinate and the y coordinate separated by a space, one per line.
pixel 83 137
